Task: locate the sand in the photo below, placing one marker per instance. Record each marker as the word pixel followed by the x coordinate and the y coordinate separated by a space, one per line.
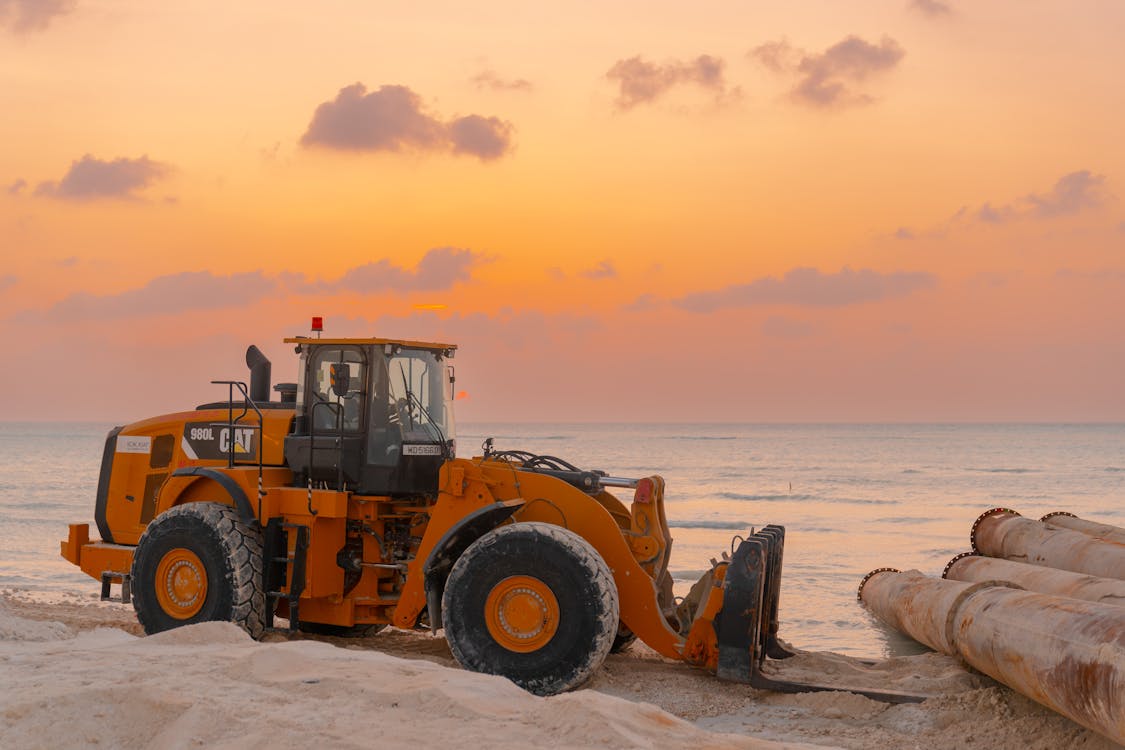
pixel 75 672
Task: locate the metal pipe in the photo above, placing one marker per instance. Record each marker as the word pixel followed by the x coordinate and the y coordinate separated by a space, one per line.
pixel 1091 528
pixel 910 603
pixel 1067 654
pixel 1004 533
pixel 970 567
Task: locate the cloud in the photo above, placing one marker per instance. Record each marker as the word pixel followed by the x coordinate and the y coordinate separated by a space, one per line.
pixel 991 215
pixel 1071 194
pixel 904 233
pixel 68 262
pixel 604 270
pixel 89 179
pixel 17 187
pixel 643 303
pixel 483 137
pixel 809 287
pixel 828 79
pixel 393 118
pixel 932 8
pixel 7 280
pixel 166 295
pixel 24 16
pixel 439 269
pixel 491 80
pixel 640 82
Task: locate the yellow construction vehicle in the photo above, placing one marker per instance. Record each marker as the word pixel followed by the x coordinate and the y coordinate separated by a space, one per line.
pixel 341 507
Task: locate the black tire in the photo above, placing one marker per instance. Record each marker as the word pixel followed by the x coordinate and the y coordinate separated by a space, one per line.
pixel 563 566
pixel 339 631
pixel 229 556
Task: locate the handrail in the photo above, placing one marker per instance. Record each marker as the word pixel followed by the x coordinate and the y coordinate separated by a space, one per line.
pixel 247 405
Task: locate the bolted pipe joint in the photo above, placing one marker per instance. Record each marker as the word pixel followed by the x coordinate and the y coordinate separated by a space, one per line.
pixel 981 519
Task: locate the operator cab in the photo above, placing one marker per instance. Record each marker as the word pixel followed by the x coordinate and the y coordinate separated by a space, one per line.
pixel 374 416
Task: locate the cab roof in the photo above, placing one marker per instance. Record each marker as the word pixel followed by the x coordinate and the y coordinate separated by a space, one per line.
pixel 370 341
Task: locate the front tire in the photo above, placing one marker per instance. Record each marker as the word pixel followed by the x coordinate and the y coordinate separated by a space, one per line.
pixel 197 563
pixel 534 603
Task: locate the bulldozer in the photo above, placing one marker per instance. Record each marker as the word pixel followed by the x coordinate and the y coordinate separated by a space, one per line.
pixel 342 508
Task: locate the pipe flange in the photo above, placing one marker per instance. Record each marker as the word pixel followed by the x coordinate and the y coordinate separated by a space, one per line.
pixel 980 518
pixel 948 565
pixel 1057 513
pixel 869 576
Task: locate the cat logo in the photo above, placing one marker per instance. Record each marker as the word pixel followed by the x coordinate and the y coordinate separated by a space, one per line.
pixel 209 441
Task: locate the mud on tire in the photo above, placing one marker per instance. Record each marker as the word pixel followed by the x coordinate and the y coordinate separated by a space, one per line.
pixel 550 571
pixel 197 563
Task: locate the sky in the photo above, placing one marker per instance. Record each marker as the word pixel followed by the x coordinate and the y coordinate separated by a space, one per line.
pixel 814 211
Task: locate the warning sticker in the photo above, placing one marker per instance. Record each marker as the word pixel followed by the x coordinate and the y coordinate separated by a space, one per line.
pixel 134 444
pixel 206 441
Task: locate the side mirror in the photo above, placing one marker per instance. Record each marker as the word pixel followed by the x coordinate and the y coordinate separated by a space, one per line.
pixel 340 373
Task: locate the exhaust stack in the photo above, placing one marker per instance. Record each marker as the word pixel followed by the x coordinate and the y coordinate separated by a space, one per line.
pixel 259 366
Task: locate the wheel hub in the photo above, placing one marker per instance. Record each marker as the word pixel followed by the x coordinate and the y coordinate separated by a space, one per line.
pixel 522 613
pixel 181 583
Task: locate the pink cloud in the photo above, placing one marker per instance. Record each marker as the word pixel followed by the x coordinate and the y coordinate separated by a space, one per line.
pixel 393 118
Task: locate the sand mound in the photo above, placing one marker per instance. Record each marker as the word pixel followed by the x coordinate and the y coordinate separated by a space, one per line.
pixel 210 685
pixel 228 690
pixel 16 628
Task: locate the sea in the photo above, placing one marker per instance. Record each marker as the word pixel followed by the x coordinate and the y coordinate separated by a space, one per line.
pixel 852 497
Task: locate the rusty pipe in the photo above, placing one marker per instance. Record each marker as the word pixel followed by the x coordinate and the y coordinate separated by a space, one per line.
pixel 970 568
pixel 1066 654
pixel 1097 530
pixel 1004 533
pixel 909 603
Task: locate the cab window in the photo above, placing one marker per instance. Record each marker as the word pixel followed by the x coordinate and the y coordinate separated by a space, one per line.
pixel 329 410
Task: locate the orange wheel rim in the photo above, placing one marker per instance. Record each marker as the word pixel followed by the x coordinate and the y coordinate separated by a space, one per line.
pixel 181 583
pixel 521 613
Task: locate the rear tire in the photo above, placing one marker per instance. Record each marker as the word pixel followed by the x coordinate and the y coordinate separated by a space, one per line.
pixel 199 562
pixel 532 602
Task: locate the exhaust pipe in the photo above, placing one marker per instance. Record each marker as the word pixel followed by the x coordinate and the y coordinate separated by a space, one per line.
pixel 259 366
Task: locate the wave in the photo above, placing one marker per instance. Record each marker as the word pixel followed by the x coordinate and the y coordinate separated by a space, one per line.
pixel 517 437
pixel 783 497
pixel 1002 470
pixel 1114 469
pixel 698 437
pixel 911 519
pixel 764 498
pixel 911 471
pixel 735 525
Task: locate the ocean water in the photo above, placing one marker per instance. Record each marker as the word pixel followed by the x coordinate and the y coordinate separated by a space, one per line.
pixel 851 497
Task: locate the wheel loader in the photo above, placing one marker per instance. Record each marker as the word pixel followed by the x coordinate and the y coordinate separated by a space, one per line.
pixel 340 508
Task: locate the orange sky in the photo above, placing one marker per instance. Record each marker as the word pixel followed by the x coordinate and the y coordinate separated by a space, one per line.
pixel 906 210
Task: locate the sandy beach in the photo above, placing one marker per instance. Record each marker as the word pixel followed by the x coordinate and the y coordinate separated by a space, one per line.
pixel 77 672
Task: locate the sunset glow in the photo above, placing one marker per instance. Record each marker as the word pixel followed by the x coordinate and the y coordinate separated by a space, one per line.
pixel 893 210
